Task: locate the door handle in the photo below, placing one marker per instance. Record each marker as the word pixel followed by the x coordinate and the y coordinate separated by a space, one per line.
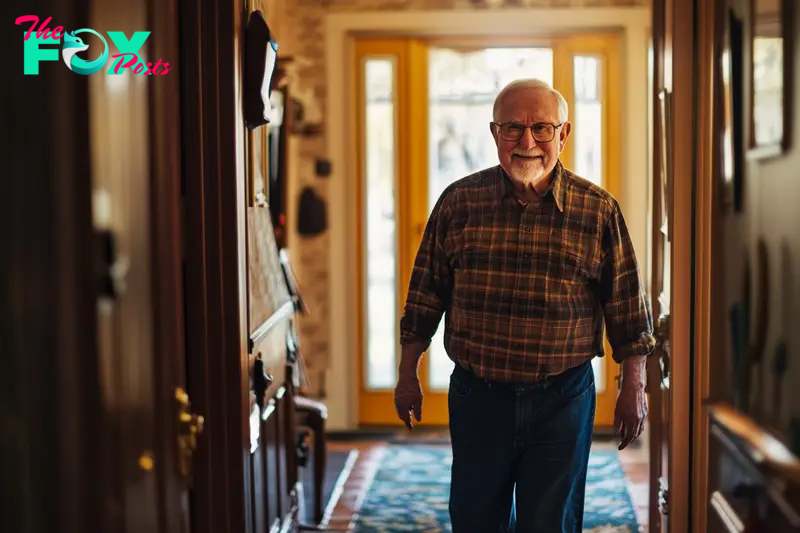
pixel 658 362
pixel 190 426
pixel 261 381
pixel 662 346
pixel 662 329
pixel 111 268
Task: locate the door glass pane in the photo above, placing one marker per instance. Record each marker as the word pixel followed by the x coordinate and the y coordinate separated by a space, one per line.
pixel 462 87
pixel 587 116
pixel 381 258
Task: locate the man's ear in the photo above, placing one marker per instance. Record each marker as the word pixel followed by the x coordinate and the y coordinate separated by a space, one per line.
pixel 494 131
pixel 566 129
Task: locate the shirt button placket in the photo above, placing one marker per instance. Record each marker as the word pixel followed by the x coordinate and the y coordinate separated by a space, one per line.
pixel 526 266
pixel 526 238
pixel 524 255
pixel 520 266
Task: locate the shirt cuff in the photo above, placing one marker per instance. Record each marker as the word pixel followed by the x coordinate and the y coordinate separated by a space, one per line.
pixel 408 337
pixel 643 346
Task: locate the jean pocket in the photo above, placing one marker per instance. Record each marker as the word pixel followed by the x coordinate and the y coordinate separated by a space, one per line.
pixel 460 387
pixel 578 385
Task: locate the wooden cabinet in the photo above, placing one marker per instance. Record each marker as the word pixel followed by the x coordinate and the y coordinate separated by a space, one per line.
pixel 270 475
pixel 238 308
pixel 273 470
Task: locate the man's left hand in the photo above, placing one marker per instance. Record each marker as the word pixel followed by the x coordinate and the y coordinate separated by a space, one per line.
pixel 630 415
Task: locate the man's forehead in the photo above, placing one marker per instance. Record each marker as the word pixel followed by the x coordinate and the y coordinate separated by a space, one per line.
pixel 529 103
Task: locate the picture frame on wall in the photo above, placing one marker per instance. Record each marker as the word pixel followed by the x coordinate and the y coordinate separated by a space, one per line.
pixel 771 66
pixel 731 133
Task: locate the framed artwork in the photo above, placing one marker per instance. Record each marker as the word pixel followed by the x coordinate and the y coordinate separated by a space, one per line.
pixel 771 76
pixel 731 132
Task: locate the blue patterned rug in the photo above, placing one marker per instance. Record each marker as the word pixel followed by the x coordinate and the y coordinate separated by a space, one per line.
pixel 411 489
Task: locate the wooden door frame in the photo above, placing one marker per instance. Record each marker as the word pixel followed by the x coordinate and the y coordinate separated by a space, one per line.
pixel 684 161
pixel 406 149
pixel 167 260
pixel 656 397
pixel 214 156
pixel 707 245
pixel 609 46
pixel 673 23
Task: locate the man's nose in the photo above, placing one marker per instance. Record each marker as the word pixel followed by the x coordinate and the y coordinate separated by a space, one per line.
pixel 527 141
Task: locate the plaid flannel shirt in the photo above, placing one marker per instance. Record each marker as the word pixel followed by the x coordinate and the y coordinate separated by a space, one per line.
pixel 527 290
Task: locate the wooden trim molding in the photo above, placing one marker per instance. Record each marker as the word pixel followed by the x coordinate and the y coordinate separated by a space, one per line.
pixel 705 238
pixel 681 80
pixel 167 260
pixel 768 454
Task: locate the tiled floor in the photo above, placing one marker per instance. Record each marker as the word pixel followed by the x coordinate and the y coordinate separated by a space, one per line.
pixel 344 513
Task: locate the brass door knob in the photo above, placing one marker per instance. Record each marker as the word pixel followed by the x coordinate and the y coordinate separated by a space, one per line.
pixel 190 425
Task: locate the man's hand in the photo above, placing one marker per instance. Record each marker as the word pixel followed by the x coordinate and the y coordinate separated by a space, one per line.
pixel 408 392
pixel 630 415
pixel 408 398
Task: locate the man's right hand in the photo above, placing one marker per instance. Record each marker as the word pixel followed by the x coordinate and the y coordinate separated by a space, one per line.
pixel 408 398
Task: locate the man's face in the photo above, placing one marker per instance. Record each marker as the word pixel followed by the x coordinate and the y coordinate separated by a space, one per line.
pixel 527 159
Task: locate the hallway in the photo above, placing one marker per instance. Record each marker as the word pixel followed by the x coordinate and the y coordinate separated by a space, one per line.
pixel 207 269
pixel 345 506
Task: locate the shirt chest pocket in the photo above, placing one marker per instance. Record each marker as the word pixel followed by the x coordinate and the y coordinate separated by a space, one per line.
pixel 574 256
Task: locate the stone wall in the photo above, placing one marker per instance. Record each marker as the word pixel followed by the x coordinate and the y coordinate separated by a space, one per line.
pixel 299 28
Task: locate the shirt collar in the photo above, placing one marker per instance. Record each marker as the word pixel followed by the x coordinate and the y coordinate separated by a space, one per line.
pixel 558 186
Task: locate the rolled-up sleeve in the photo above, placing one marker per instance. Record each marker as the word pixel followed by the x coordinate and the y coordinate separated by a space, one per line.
pixel 623 297
pixel 430 285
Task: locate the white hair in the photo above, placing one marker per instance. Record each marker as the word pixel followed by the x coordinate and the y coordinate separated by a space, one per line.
pixel 563 108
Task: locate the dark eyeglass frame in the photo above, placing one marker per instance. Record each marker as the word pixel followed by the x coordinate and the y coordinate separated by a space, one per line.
pixel 524 127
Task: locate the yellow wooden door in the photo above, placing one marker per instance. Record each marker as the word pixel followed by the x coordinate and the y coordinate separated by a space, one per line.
pixel 422 109
pixel 590 80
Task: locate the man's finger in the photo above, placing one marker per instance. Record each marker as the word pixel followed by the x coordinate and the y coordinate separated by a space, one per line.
pixel 626 436
pixel 402 413
pixel 406 418
pixel 418 411
pixel 640 429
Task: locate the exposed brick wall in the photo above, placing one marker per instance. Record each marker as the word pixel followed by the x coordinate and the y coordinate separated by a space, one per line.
pixel 299 28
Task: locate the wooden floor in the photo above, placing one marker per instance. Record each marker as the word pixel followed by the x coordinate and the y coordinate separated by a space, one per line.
pixel 343 513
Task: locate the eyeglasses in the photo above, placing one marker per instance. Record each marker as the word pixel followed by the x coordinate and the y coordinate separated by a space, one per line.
pixel 542 132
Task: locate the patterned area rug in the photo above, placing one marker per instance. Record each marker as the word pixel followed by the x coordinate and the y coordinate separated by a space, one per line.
pixel 411 489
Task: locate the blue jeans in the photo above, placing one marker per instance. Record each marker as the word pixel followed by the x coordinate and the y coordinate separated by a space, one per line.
pixel 520 452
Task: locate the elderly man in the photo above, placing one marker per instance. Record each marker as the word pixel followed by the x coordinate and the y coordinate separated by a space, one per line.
pixel 527 262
